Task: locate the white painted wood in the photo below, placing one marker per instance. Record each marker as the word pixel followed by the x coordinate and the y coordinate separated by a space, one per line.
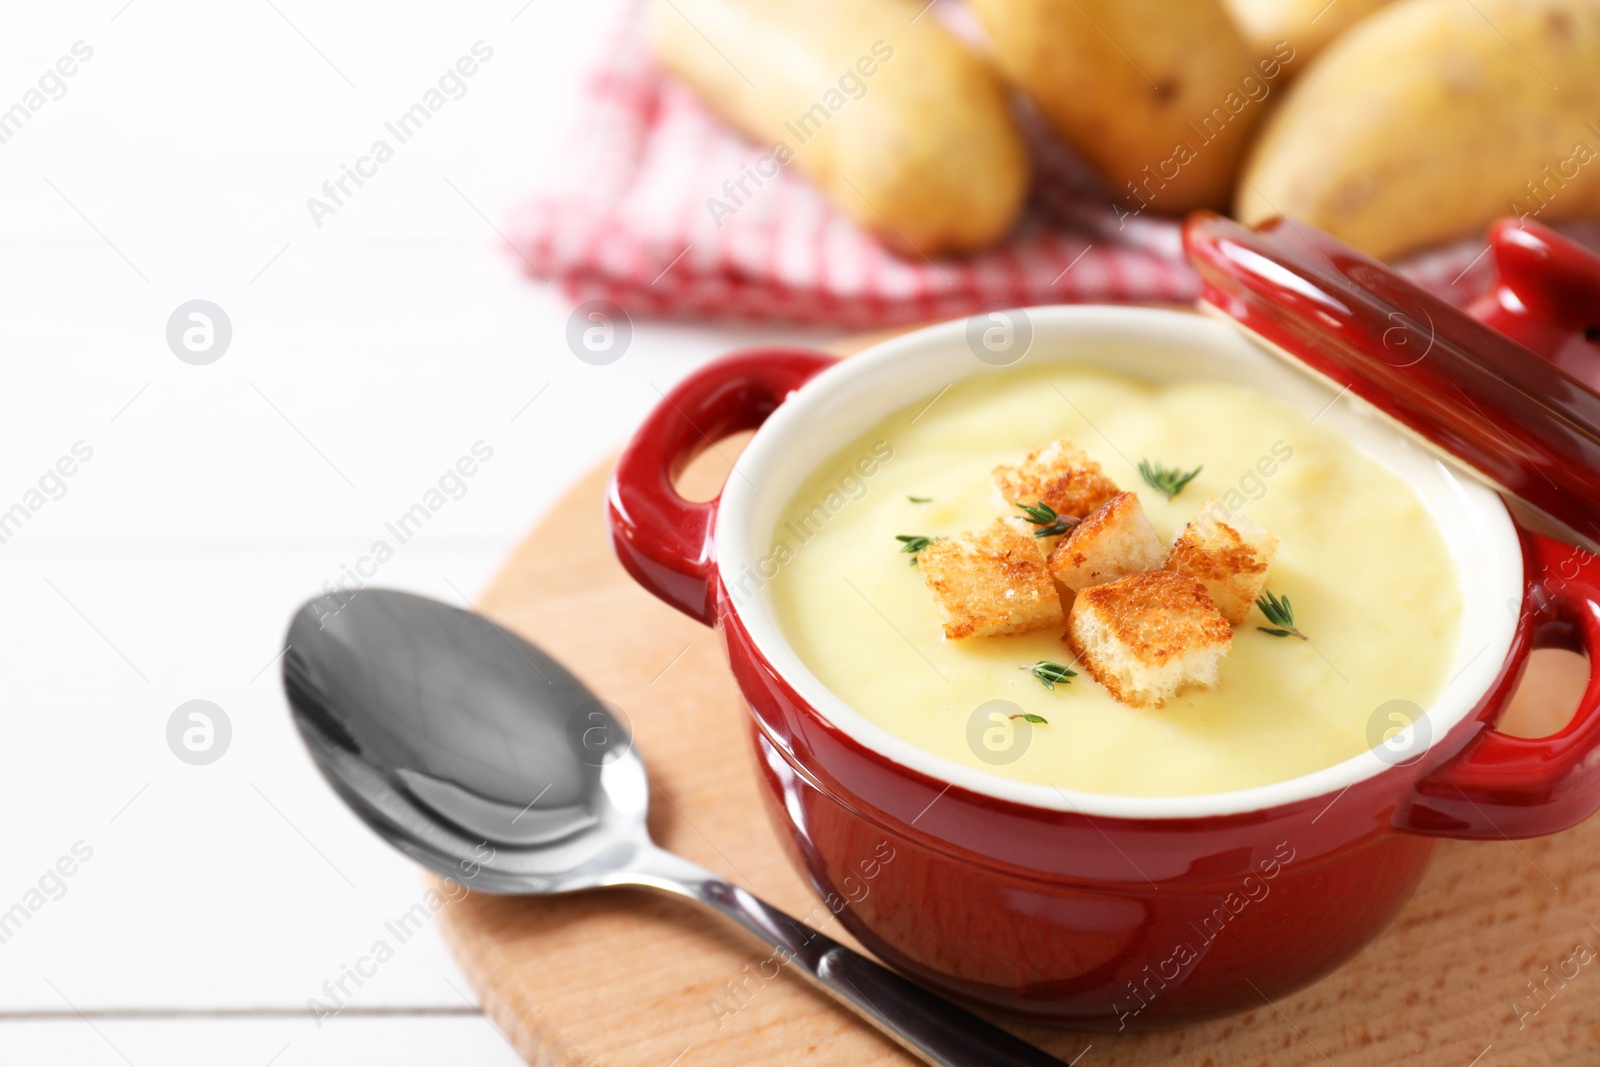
pixel 395 1041
pixel 367 356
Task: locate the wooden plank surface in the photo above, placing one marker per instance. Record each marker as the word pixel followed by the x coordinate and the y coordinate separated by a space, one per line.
pixel 627 978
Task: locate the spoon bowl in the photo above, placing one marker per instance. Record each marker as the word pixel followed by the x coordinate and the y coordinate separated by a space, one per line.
pixel 422 717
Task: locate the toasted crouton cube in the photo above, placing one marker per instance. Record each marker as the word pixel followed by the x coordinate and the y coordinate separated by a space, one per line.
pixel 1229 554
pixel 1149 635
pixel 991 581
pixel 1115 540
pixel 1061 475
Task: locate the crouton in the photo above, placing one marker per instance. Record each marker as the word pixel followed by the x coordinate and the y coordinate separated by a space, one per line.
pixel 1149 635
pixel 1229 554
pixel 1061 475
pixel 991 581
pixel 1115 540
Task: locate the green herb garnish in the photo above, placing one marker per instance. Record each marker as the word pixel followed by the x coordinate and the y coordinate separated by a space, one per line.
pixel 1168 480
pixel 1280 613
pixel 1045 517
pixel 1049 673
pixel 1028 716
pixel 920 499
pixel 913 543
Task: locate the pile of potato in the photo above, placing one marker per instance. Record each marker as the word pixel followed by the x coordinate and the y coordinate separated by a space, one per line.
pixel 1391 125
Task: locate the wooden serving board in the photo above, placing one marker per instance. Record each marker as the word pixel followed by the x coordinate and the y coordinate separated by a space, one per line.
pixel 625 977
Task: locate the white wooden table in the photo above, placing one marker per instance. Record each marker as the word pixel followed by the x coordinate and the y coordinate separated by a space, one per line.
pixel 367 355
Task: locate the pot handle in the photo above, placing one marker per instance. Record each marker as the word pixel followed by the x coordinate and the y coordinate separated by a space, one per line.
pixel 663 540
pixel 1500 786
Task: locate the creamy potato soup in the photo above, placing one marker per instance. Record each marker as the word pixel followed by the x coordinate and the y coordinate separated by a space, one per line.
pixel 1372 585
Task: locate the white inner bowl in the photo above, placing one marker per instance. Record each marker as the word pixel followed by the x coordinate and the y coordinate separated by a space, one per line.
pixel 1155 346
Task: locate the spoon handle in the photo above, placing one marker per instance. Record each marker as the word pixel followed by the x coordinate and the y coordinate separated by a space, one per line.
pixel 923 1022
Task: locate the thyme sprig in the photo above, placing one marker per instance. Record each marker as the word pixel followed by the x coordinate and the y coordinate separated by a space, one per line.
pixel 1168 480
pixel 1028 716
pixel 1048 521
pixel 920 499
pixel 1280 613
pixel 1048 673
pixel 913 544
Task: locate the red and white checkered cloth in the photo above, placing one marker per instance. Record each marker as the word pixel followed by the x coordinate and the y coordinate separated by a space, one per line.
pixel 631 224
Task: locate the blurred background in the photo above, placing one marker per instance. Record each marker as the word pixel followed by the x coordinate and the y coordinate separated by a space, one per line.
pixel 240 339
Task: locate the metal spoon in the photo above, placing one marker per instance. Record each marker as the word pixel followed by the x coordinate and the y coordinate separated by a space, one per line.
pixel 488 763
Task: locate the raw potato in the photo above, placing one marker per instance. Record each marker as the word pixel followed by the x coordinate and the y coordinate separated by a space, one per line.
pixel 900 125
pixel 1309 25
pixel 1159 96
pixel 1433 117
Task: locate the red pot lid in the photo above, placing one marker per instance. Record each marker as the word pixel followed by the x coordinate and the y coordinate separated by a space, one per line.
pixel 1524 417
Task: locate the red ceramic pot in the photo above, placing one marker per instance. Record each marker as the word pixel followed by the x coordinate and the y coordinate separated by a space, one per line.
pixel 1106 911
